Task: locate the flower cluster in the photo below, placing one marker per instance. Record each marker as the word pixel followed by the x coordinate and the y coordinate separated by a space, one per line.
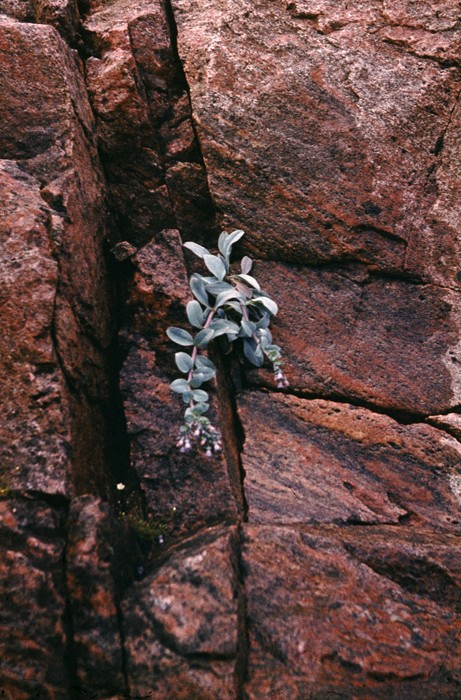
pixel 225 304
pixel 201 432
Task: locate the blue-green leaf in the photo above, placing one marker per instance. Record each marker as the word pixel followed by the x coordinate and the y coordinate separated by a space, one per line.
pixel 207 373
pixel 187 396
pixel 183 361
pixel 199 395
pixel 197 249
pixel 250 280
pixel 198 288
pixel 203 337
pixel 264 321
pixel 231 239
pixel 253 352
pixel 218 287
pixel 235 306
pixel 201 408
pixel 246 264
pixel 222 326
pixel 221 242
pixel 180 386
pixel 224 297
pixel 205 362
pixel 197 380
pixel 195 314
pixel 216 265
pixel 268 303
pixel 248 328
pixel 179 336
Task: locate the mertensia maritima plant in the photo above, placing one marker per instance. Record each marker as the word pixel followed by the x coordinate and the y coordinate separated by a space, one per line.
pixel 227 303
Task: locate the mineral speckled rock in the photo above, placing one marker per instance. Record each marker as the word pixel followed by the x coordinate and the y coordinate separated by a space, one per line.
pixel 93 597
pixel 187 609
pixel 322 135
pixel 387 342
pixel 346 625
pixel 318 461
pixel 141 103
pixel 34 432
pixel 33 602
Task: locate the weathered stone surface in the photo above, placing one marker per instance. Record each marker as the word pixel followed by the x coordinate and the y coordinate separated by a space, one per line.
pixel 181 623
pixel 171 481
pixel 93 598
pixel 331 619
pixel 34 431
pixel 323 137
pixel 142 109
pixel 46 124
pixel 319 461
pixel 386 342
pixel 33 605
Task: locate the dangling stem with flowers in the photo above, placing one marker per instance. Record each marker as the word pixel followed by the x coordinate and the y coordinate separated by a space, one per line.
pixel 225 304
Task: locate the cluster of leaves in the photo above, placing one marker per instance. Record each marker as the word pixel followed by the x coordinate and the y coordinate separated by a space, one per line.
pixel 226 303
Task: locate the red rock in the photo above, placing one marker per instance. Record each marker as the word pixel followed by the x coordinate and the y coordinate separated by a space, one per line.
pixel 186 609
pixel 319 461
pixel 322 137
pixel 93 598
pixel 47 124
pixel 389 343
pixel 34 432
pixel 329 618
pixel 33 635
pixel 141 103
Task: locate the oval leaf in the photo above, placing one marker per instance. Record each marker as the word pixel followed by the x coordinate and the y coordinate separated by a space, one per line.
pixel 231 239
pixel 183 361
pixel 203 337
pixel 198 289
pixel 194 314
pixel 200 396
pixel 224 297
pixel 180 386
pixel 179 336
pixel 222 326
pixel 205 362
pixel 221 242
pixel 248 328
pixel 253 352
pixel 201 408
pixel 218 287
pixel 215 265
pixel 250 280
pixel 269 304
pixel 197 249
pixel 246 264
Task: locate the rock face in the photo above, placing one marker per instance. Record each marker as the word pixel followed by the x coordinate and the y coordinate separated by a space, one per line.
pixel 319 556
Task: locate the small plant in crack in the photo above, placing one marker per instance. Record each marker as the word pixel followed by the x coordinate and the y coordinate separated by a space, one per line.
pixel 227 303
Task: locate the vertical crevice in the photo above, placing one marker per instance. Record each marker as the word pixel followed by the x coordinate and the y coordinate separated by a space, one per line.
pixel 69 657
pixel 243 642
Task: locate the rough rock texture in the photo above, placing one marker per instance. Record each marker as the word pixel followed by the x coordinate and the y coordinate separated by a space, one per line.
pixel 181 623
pixel 326 135
pixel 57 329
pixel 349 624
pixel 345 464
pixel 33 610
pixel 380 341
pixel 319 557
pixel 146 136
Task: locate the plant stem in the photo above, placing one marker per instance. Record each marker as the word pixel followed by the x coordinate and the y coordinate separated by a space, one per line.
pixel 195 351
